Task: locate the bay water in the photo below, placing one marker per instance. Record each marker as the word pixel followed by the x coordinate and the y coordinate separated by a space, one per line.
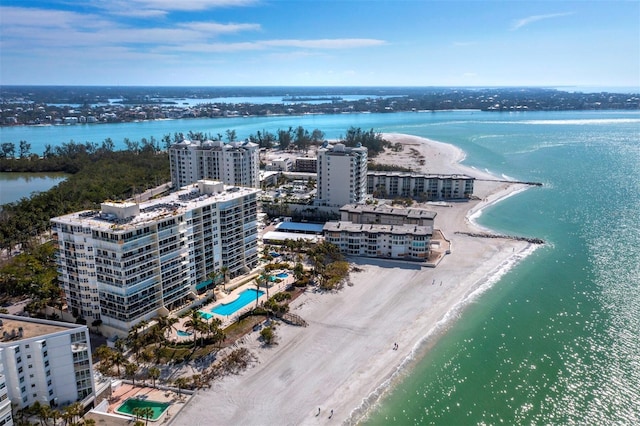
pixel 557 338
pixel 14 186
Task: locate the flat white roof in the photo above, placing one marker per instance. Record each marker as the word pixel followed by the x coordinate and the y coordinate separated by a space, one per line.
pixel 179 202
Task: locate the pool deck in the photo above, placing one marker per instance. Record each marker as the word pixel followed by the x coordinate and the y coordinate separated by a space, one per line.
pixel 126 391
pixel 227 298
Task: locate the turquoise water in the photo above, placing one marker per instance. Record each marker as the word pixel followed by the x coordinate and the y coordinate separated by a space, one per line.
pixel 282 275
pixel 130 404
pixel 555 340
pixel 246 297
pixel 183 333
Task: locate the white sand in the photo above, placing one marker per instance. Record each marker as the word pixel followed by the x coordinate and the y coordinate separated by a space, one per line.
pixel 344 359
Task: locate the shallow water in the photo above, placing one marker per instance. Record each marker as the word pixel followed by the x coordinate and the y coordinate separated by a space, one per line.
pixel 556 339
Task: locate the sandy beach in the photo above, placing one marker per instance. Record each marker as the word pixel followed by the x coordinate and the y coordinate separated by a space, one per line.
pixel 345 359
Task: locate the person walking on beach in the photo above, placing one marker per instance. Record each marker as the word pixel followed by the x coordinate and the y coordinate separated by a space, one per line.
pixel 331 415
pixel 318 412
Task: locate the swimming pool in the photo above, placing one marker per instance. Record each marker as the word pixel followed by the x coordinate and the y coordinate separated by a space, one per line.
pixel 243 300
pixel 131 404
pixel 282 275
pixel 184 333
pixel 205 315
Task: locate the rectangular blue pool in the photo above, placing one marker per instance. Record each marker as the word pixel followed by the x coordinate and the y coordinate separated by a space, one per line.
pixel 246 297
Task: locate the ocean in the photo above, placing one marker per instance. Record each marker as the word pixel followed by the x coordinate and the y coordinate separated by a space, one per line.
pixel 556 339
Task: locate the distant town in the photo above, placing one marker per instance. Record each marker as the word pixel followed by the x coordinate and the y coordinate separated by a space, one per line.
pixel 44 105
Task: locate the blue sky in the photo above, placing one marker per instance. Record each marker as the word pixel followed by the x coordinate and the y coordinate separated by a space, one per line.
pixel 320 43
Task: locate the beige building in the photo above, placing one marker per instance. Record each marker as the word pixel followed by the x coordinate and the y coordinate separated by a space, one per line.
pixel 129 262
pixel 233 163
pixel 408 242
pixel 420 187
pixel 384 214
pixel 342 175
pixel 382 231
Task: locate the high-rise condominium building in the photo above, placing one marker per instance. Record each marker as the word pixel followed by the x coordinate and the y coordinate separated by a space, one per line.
pixel 233 163
pixel 129 262
pixel 44 361
pixel 342 175
pixel 5 403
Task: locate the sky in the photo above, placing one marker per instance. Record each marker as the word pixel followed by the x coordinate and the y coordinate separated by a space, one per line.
pixel 320 43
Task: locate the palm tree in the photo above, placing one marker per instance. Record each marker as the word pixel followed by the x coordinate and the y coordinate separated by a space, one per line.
pixel 154 374
pixel 224 270
pixel 118 360
pixel 147 413
pixel 215 331
pixel 70 413
pixel 266 279
pixel 194 323
pixel 130 370
pixel 165 325
pixel 258 281
pixel 181 382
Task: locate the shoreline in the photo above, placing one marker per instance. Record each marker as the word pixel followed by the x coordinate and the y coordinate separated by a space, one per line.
pixel 344 360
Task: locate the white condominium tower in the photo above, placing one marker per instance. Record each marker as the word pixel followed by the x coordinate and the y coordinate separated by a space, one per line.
pixel 129 262
pixel 233 163
pixel 44 361
pixel 342 175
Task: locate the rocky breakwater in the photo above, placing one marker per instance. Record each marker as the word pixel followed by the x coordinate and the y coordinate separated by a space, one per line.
pixel 508 237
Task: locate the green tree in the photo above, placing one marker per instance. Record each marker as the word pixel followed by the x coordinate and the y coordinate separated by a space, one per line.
pixel 224 270
pixel 130 371
pixel 25 148
pixel 231 135
pixel 268 335
pixel 7 150
pixel 154 374
pixel 195 323
pixel 181 383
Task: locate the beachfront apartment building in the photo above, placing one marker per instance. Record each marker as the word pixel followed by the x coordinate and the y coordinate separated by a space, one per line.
pixel 418 186
pixel 342 175
pixel 306 164
pixel 6 419
pixel 129 262
pixel 407 242
pixel 233 163
pixel 44 361
pixel 384 214
pixel 382 231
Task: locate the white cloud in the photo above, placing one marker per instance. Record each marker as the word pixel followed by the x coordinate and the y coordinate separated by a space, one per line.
pixel 519 23
pixel 327 43
pixel 152 8
pixel 217 28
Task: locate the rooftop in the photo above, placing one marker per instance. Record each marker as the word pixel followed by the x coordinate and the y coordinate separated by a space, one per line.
pixel 128 215
pixel 304 227
pixel 378 229
pixel 31 327
pixel 419 175
pixel 413 213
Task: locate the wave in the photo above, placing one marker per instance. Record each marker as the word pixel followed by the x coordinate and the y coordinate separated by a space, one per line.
pixel 369 403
